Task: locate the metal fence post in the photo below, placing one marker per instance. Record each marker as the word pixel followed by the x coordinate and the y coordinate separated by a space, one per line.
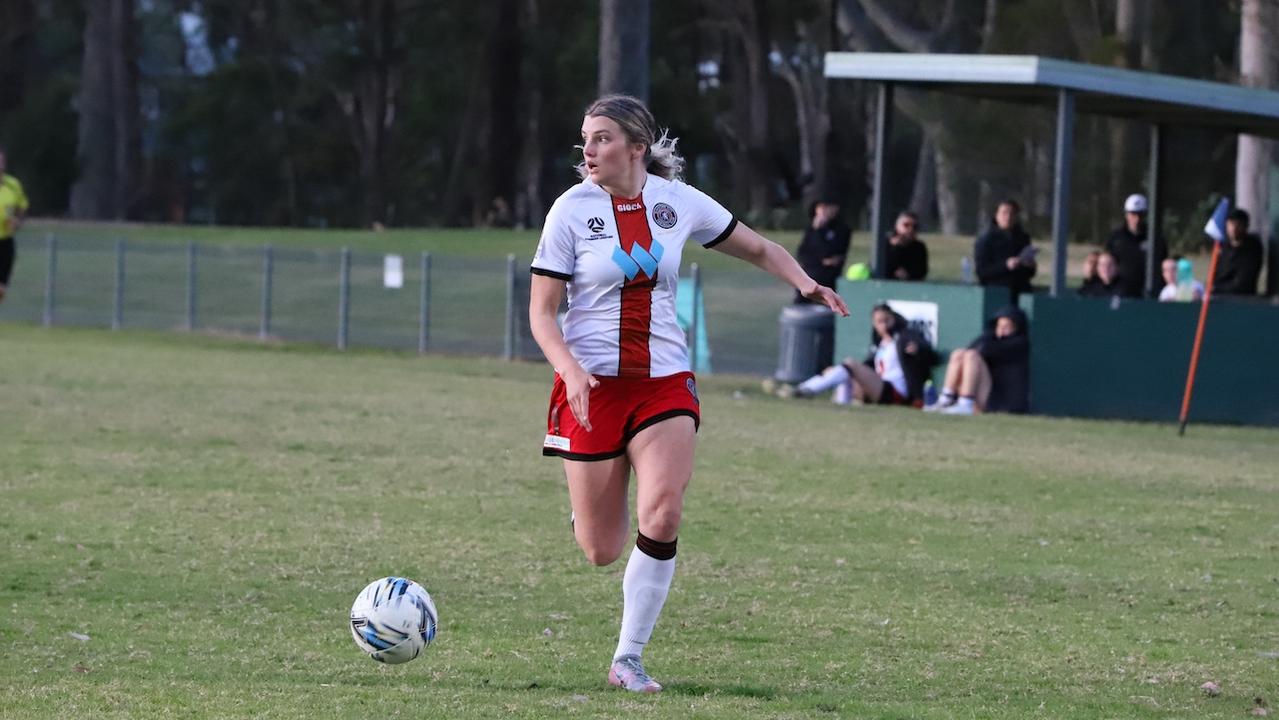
pixel 693 328
pixel 117 315
pixel 191 291
pixel 268 270
pixel 51 272
pixel 344 297
pixel 424 306
pixel 508 348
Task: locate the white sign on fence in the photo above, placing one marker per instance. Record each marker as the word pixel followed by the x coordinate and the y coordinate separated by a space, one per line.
pixel 920 315
pixel 393 271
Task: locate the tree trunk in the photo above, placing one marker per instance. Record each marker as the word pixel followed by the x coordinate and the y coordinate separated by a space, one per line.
pixel 948 205
pixel 623 59
pixel 1257 38
pixel 923 194
pixel 528 199
pixel 17 40
pixel 107 147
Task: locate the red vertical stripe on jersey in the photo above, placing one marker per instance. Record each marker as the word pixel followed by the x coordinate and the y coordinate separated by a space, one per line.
pixel 634 359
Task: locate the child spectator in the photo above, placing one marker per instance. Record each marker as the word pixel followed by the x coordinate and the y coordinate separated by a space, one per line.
pixel 1179 281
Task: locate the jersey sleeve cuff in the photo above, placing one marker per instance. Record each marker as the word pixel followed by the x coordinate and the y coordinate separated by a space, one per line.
pixel 732 225
pixel 551 273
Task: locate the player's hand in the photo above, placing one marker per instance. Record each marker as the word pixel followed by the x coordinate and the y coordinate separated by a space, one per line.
pixel 577 387
pixel 1012 262
pixel 831 299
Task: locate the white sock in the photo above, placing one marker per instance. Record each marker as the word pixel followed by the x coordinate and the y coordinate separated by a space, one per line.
pixel 965 403
pixel 828 380
pixel 947 397
pixel 644 589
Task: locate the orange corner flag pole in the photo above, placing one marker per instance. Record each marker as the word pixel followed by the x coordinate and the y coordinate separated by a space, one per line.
pixel 1199 336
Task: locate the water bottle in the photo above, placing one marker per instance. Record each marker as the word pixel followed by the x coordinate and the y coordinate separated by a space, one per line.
pixel 966 270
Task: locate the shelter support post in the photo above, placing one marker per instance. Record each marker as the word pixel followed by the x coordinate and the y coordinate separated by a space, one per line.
pixel 878 200
pixel 1061 186
pixel 1152 212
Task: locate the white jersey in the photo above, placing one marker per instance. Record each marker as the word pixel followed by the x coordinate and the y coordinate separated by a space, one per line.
pixel 889 366
pixel 621 258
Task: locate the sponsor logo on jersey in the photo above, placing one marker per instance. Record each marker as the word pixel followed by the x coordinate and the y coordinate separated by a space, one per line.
pixel 556 442
pixel 595 224
pixel 629 207
pixel 664 215
pixel 639 260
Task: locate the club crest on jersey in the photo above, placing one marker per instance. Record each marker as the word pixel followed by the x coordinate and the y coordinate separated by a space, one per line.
pixel 595 224
pixel 664 215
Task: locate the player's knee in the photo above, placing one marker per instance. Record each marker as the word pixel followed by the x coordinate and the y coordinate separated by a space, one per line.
pixel 662 523
pixel 601 553
pixel 958 354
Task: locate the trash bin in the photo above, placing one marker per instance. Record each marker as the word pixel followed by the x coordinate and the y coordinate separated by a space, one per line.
pixel 806 342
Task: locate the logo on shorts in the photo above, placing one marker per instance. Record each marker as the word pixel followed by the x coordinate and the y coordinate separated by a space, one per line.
pixel 664 215
pixel 692 390
pixel 555 442
pixel 595 224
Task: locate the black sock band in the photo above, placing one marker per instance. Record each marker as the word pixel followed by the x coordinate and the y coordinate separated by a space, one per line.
pixel 655 549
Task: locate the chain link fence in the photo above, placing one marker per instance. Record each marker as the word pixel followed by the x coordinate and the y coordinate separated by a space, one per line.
pixel 345 298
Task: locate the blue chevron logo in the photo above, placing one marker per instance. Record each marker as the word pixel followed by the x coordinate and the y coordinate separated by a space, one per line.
pixel 638 260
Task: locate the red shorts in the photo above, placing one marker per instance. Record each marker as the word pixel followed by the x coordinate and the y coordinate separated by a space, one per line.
pixel 619 409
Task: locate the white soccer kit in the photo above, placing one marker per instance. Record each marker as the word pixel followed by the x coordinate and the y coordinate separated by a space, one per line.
pixel 621 258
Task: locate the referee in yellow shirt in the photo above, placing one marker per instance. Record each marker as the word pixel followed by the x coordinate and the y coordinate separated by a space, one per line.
pixel 13 209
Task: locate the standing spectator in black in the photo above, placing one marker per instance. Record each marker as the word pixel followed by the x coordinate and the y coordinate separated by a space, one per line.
pixel 1129 244
pixel 1108 282
pixel 825 245
pixel 907 257
pixel 1004 254
pixel 1240 261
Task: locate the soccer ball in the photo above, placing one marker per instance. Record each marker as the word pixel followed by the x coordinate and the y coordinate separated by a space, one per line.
pixel 393 620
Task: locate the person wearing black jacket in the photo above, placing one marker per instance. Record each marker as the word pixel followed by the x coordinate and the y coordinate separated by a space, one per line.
pixel 907 256
pixel 892 374
pixel 1107 282
pixel 1240 263
pixel 993 373
pixel 1128 243
pixel 1003 254
pixel 824 246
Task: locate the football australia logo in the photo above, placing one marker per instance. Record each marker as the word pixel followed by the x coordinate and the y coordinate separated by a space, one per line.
pixel 664 215
pixel 595 224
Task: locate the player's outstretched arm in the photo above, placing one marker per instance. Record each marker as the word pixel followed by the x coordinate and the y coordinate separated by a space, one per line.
pixel 545 295
pixel 748 245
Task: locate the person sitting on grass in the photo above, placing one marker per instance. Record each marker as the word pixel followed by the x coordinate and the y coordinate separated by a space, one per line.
pixel 892 374
pixel 993 373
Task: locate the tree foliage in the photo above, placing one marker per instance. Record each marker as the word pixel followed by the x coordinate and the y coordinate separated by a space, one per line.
pixel 412 112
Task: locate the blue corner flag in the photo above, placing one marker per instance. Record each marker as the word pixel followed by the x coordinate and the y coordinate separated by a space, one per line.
pixel 1216 227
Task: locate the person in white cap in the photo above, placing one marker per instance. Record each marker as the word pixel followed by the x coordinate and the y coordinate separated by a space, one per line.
pixel 1129 244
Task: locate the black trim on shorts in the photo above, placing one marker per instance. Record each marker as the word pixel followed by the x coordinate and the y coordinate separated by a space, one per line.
pixel 732 225
pixel 550 274
pixel 664 416
pixel 582 457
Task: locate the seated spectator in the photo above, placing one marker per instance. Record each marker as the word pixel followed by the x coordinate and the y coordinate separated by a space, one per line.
pixel 1090 265
pixel 1179 281
pixel 993 373
pixel 892 374
pixel 825 243
pixel 1107 283
pixel 1003 254
pixel 907 256
pixel 1240 261
pixel 1128 243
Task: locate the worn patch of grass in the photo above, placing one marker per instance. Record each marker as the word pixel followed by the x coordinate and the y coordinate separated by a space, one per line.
pixel 205 511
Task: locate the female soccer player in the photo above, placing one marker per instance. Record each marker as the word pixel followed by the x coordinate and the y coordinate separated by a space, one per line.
pixel 623 396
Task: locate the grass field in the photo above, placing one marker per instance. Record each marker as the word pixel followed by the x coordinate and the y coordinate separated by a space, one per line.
pixel 204 511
